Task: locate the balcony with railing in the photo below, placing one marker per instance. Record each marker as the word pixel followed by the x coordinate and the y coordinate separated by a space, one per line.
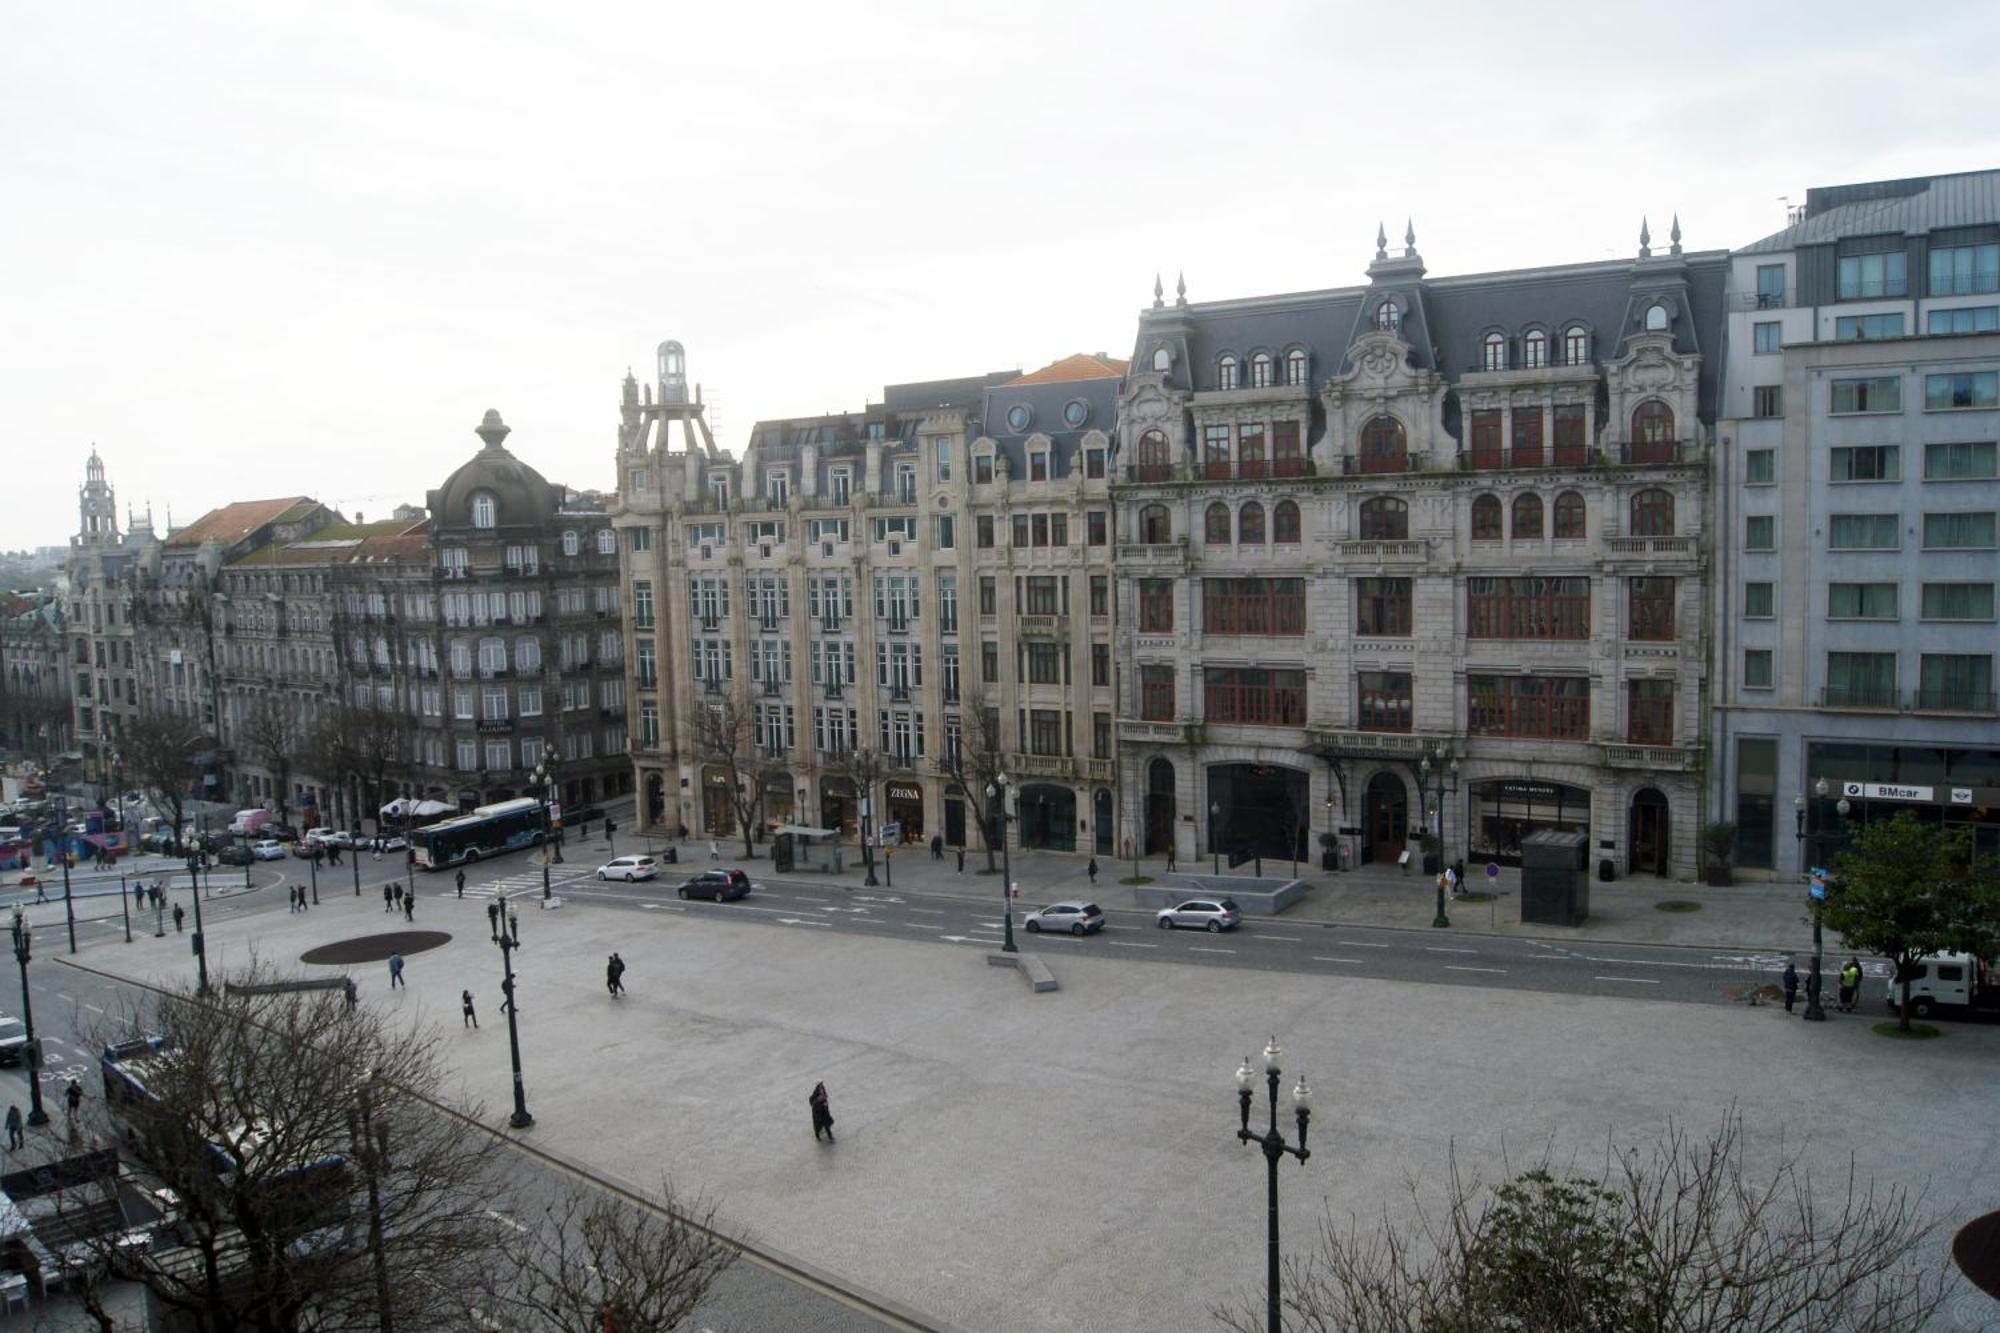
pixel 1759 300
pixel 1520 458
pixel 1653 758
pixel 1940 700
pixel 1652 545
pixel 1868 698
pixel 1658 453
pixel 1238 469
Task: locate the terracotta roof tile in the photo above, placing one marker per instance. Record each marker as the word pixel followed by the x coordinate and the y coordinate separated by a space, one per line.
pixel 233 522
pixel 1081 366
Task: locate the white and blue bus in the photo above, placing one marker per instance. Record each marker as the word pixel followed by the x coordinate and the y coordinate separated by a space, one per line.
pixel 488 831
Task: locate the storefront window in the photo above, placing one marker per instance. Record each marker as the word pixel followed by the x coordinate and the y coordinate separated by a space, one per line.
pixel 1506 810
pixel 1756 790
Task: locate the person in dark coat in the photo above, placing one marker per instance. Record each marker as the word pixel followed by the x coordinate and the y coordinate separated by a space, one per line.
pixel 410 906
pixel 937 847
pixel 1791 984
pixel 614 976
pixel 180 914
pixel 1091 870
pixel 461 881
pixel 821 1113
pixel 388 898
pixel 16 1137
pixel 465 1003
pixel 396 971
pixel 138 895
pixel 493 918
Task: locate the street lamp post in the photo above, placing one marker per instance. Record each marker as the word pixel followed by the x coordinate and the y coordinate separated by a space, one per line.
pixel 509 940
pixel 1431 782
pixel 200 941
pixel 996 821
pixel 1275 1147
pixel 312 870
pixel 1805 819
pixel 545 778
pixel 63 853
pixel 24 954
pixel 865 762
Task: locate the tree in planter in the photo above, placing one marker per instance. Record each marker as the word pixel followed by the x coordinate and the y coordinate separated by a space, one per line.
pixel 978 762
pixel 1681 1239
pixel 1906 891
pixel 1717 842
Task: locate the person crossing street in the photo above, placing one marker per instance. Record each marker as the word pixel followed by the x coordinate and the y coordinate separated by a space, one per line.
pixel 614 976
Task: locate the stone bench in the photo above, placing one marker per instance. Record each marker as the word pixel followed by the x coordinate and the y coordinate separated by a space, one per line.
pixel 1032 969
pixel 291 987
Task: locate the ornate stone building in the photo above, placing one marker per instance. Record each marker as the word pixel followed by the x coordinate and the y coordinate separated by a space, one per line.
pixel 1453 518
pixel 100 614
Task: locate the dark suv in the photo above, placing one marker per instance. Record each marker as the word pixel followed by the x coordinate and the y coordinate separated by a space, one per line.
pixel 722 886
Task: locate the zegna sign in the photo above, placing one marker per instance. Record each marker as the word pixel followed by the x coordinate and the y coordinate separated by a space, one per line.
pixel 1891 791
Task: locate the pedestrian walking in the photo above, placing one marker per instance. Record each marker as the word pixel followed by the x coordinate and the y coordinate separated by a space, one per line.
pixel 1451 881
pixel 614 976
pixel 138 895
pixel 822 1114
pixel 410 907
pixel 1850 983
pixel 180 915
pixel 937 846
pixel 1091 870
pixel 961 859
pixel 16 1138
pixel 1791 984
pixel 609 829
pixel 73 1095
pixel 41 891
pixel 714 853
pixel 333 853
pixel 465 1005
pixel 396 972
pixel 1170 858
pixel 388 898
pixel 398 888
pixel 461 881
pixel 292 901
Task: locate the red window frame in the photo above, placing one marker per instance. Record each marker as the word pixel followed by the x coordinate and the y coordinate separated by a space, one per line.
pixel 1250 524
pixel 1384 446
pixel 1156 458
pixel 1528 707
pixel 1652 432
pixel 1285 523
pixel 1156 606
pixel 1385 519
pixel 1653 513
pixel 1485 432
pixel 1156 694
pixel 1215 524
pixel 1215 453
pixel 1649 712
pixel 1569 516
pixel 1383 701
pixel 1486 518
pixel 1266 608
pixel 1527 450
pixel 1526 520
pixel 1254 696
pixel 1250 460
pixel 1384 607
pixel 1572 444
pixel 1535 608
pixel 1286 459
pixel 1651 602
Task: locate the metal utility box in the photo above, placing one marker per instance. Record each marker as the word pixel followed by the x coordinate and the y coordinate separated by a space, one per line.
pixel 1555 888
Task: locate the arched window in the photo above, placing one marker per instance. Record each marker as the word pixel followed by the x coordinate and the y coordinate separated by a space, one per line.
pixel 1215 525
pixel 1653 432
pixel 1656 319
pixel 1527 517
pixel 570 543
pixel 1163 359
pixel 1493 352
pixel 1653 514
pixel 607 542
pixel 1285 523
pixel 1385 519
pixel 1156 526
pixel 1535 349
pixel 1576 345
pixel 1387 317
pixel 1295 367
pixel 1225 373
pixel 1486 519
pixel 1569 515
pixel 1155 457
pixel 1383 447
pixel 1250 524
pixel 1260 371
pixel 484 512
pixel 528 654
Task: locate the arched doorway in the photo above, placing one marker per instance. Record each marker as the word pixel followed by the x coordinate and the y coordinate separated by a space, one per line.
pixel 1385 818
pixel 1648 831
pixel 1259 810
pixel 1159 807
pixel 1100 821
pixel 1047 817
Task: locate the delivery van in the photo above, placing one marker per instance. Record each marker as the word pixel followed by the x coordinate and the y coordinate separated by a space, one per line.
pixel 1955 985
pixel 247 822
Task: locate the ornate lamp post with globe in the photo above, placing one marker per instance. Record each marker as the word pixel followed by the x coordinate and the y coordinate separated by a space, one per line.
pixel 1275 1147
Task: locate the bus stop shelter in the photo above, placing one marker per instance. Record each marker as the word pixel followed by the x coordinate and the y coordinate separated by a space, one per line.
pixel 799 847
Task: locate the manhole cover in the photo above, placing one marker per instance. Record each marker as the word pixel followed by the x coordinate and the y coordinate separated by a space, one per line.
pixel 376 948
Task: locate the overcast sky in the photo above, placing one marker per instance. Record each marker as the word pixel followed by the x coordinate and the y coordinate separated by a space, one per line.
pixel 268 249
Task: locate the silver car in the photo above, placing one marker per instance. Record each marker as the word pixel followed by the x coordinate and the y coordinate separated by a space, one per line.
pixel 1210 914
pixel 1078 918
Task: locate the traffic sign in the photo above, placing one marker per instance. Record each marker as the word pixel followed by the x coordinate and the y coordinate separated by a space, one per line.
pixel 1492 870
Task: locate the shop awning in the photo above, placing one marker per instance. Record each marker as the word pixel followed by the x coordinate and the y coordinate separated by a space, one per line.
pixel 801 831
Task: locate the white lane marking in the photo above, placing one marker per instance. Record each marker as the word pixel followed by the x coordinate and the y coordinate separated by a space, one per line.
pixel 1364 944
pixel 1636 981
pixel 1454 967
pixel 499 1216
pixel 930 911
pixel 796 921
pixel 812 900
pixel 1196 948
pixel 93 1008
pixel 1318 959
pixel 917 925
pixel 1128 944
pixel 1437 948
pixel 61 996
pixel 1264 935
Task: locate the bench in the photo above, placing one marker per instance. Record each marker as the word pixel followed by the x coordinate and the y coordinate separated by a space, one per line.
pixel 1033 970
pixel 292 987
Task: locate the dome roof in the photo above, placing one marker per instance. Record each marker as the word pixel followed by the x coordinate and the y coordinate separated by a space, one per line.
pixel 521 495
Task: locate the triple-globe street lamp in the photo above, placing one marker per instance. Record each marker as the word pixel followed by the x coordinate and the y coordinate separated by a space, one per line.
pixel 996 823
pixel 509 939
pixel 1432 785
pixel 1805 821
pixel 1275 1147
pixel 24 954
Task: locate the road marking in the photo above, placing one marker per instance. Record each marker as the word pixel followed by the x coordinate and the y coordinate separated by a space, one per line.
pixel 1437 948
pixel 1636 981
pixel 1260 935
pixel 917 925
pixel 1454 967
pixel 930 911
pixel 93 1008
pixel 1128 944
pixel 797 921
pixel 498 1216
pixel 1318 959
pixel 1196 948
pixel 1364 944
pixel 61 996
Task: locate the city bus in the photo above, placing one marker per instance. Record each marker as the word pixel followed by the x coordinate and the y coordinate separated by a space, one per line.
pixel 488 831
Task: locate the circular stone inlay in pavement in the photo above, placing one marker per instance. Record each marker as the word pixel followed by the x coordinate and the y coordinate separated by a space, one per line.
pixel 376 948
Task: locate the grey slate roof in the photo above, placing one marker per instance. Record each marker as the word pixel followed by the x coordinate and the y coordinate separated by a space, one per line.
pixel 1910 207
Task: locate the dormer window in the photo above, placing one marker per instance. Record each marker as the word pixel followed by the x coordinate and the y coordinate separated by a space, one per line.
pixel 570 543
pixel 1163 360
pixel 1260 371
pixel 1387 317
pixel 1576 345
pixel 1225 373
pixel 1493 352
pixel 1295 367
pixel 718 489
pixel 1535 350
pixel 484 512
pixel 1656 318
pixel 1019 417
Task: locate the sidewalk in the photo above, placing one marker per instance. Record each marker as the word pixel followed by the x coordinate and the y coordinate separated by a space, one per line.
pixel 1764 917
pixel 1008 1161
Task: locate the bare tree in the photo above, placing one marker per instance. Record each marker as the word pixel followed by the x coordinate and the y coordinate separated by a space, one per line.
pixel 977 762
pixel 725 737
pixel 364 743
pixel 599 1263
pixel 1681 1239
pixel 865 767
pixel 273 736
pixel 329 753
pixel 159 750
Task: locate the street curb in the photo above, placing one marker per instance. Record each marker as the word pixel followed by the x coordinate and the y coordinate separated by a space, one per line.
pixel 767 1256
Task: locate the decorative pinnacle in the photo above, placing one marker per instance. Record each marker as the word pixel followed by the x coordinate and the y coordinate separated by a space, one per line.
pixel 1159 292
pixel 492 429
pixel 1381 241
pixel 1180 288
pixel 1409 238
pixel 1675 234
pixel 1645 238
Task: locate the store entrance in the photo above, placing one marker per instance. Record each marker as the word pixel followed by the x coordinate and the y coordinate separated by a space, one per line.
pixel 1506 810
pixel 905 804
pixel 1648 832
pixel 1048 818
pixel 1259 811
pixel 1385 818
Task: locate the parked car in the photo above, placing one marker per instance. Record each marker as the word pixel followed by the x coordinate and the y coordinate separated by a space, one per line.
pixel 1211 914
pixel 236 854
pixel 722 886
pixel 305 849
pixel 282 832
pixel 395 842
pixel 13 1040
pixel 268 849
pixel 628 868
pixel 1075 917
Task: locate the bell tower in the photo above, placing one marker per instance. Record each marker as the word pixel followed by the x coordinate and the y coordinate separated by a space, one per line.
pixel 96 506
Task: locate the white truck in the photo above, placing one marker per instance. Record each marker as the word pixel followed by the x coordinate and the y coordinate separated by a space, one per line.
pixel 1955 984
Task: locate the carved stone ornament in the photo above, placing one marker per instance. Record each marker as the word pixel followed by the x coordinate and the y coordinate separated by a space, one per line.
pixel 1652 370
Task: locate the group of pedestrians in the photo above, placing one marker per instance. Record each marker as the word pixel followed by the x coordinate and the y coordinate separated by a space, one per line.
pixel 1850 986
pixel 396 899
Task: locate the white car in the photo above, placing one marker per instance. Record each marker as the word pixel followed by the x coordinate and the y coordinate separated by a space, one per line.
pixel 270 849
pixel 629 868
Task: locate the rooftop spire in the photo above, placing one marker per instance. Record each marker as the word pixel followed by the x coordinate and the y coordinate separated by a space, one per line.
pixel 1180 288
pixel 1381 241
pixel 1159 292
pixel 1675 234
pixel 1409 238
pixel 1645 238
